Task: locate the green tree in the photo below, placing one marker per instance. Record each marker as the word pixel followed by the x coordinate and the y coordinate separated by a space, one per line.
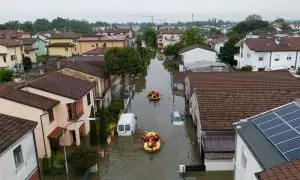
pixel 214 31
pixel 93 129
pixel 114 109
pixel 28 26
pixel 83 158
pixel 172 50
pixel 122 62
pixel 5 75
pixel 250 25
pixel 149 36
pixel 102 127
pixel 279 20
pixel 246 68
pixel 12 25
pixel 254 17
pixel 229 50
pixel 191 36
pixel 42 25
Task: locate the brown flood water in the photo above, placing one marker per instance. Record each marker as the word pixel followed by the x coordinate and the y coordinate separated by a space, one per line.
pixel 126 160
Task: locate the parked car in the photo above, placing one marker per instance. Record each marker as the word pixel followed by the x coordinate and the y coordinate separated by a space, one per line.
pixel 126 124
pixel 176 118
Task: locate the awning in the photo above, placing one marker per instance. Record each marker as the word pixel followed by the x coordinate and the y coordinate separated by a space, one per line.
pixel 56 133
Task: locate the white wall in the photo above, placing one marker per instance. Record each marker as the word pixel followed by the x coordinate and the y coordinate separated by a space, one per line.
pixel 166 39
pixel 198 54
pixel 219 165
pixel 10 51
pixel 252 166
pixel 8 168
pixel 251 57
pixel 218 46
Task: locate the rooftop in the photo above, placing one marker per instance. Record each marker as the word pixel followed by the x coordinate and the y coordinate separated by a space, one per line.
pixel 96 51
pixel 218 40
pixel 195 46
pixel 96 38
pixel 64 35
pixel 10 92
pixel 87 68
pixel 171 31
pixel 225 97
pixel 117 31
pixel 27 41
pixel 9 42
pixel 93 60
pixel 12 129
pixel 287 171
pixel 265 45
pixel 272 136
pixel 12 33
pixel 218 143
pixel 179 77
pixel 62 85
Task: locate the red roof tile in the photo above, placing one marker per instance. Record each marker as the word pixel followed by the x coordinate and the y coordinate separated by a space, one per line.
pixel 87 68
pixel 12 129
pixel 179 77
pixel 288 171
pixel 65 35
pixel 9 42
pixel 265 45
pixel 96 51
pixel 63 85
pixel 117 31
pixel 195 46
pixel 218 143
pixel 171 31
pixel 56 133
pixel 10 92
pixel 218 40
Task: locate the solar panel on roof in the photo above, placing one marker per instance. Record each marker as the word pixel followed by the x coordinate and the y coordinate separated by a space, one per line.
pixel 282 128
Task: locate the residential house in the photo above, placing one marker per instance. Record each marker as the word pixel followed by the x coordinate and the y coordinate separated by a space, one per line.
pixel 38 44
pixel 217 43
pixel 178 80
pixel 96 52
pixel 92 73
pixel 219 99
pixel 196 53
pixel 205 66
pixel 122 31
pixel 268 145
pixel 12 34
pixel 18 154
pixel 10 53
pixel 269 54
pixel 295 26
pixel 167 37
pixel 90 42
pixel 57 102
pixel 63 44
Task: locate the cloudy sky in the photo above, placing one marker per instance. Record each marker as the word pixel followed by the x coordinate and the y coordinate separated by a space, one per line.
pixel 138 10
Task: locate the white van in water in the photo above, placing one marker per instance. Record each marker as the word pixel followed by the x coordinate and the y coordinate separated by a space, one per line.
pixel 177 119
pixel 126 124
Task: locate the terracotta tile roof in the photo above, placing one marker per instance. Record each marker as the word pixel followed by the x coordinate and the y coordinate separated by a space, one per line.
pixel 12 33
pixel 96 51
pixel 10 92
pixel 171 31
pixel 27 41
pixel 218 143
pixel 65 35
pixel 12 129
pixel 93 60
pixel 97 38
pixel 29 48
pixel 218 40
pixel 226 97
pixel 87 68
pixel 9 42
pixel 288 171
pixel 61 45
pixel 116 31
pixel 266 45
pixel 194 47
pixel 63 85
pixel 179 77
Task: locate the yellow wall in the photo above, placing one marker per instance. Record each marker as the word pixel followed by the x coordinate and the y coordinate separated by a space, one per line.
pixel 59 51
pixel 87 46
pixel 73 41
pixel 32 56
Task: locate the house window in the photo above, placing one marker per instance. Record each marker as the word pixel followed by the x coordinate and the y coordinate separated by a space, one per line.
pixel 243 159
pixel 248 54
pixel 276 59
pixel 75 48
pixel 18 156
pixel 261 69
pixel 51 115
pixel 261 58
pixel 289 58
pixel 75 110
pixel 104 45
pixel 88 98
pixel 13 57
pixel 4 58
pixel 66 48
pixel 97 45
pixel 92 45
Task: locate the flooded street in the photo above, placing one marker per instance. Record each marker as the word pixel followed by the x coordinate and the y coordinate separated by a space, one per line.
pixel 126 160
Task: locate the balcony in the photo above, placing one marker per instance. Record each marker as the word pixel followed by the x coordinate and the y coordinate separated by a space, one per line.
pixel 75 110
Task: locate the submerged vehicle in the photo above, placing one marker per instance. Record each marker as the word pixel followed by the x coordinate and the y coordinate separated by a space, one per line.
pixel 126 124
pixel 176 118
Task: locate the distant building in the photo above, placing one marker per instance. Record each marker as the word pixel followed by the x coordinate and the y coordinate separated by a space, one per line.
pixel 295 26
pixel 63 44
pixel 217 43
pixel 268 145
pixel 167 37
pixel 269 54
pixel 38 44
pixel 11 53
pixel 18 154
pixel 12 34
pixel 91 42
pixel 111 32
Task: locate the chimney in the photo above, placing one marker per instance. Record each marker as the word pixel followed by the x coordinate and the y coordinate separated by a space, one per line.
pixel 57 65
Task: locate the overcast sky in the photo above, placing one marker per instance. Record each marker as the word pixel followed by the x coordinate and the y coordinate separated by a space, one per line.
pixel 136 10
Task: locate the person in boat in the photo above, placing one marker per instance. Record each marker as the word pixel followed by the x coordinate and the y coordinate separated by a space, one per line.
pixel 150 145
pixel 145 138
pixel 156 137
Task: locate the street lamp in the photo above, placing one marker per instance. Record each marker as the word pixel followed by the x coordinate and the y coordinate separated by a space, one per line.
pixel 65 152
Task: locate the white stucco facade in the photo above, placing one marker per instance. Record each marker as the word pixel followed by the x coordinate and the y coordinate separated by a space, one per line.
pixel 245 163
pixel 267 60
pixel 10 56
pixel 198 54
pixel 168 39
pixel 8 169
pixel 219 165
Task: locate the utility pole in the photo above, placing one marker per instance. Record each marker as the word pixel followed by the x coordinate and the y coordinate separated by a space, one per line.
pixel 192 18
